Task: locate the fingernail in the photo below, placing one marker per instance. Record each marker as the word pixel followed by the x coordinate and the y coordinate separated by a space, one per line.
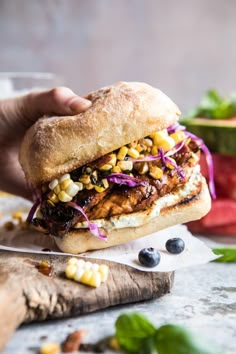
pixel 79 104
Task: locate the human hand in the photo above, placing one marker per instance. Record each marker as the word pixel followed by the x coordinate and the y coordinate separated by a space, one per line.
pixel 16 116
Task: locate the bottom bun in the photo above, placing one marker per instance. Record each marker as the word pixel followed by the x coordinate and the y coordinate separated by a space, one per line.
pixel 188 209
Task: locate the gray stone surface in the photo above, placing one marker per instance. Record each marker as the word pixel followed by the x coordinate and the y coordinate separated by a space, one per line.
pixel 203 300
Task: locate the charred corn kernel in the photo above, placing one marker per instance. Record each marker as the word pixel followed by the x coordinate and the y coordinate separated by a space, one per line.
pixel 44 264
pixel 89 186
pixel 156 172
pixel 64 197
pixel 53 184
pixel 57 189
pixel 178 136
pixel 17 215
pixel 125 165
pixel 122 153
pixel 50 348
pixel 132 152
pixel 103 270
pixel 105 183
pixel 99 189
pixel 171 165
pixel 142 168
pixel 9 225
pixel 116 169
pixel 53 197
pixel 95 279
pixel 80 185
pixel 166 144
pixel 106 167
pixel 65 176
pixel 114 344
pixel 112 160
pixel 65 183
pixel 73 261
pixel 70 271
pixel 72 189
pixel 50 203
pixel 85 179
pixel 39 214
pixel 139 148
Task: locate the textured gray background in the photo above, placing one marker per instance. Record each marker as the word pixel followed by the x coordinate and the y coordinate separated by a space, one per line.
pixel 183 47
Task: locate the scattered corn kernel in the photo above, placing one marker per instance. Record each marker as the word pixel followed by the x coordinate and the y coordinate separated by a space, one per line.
pixel 178 136
pixel 166 144
pixel 156 172
pixel 170 165
pixel 65 183
pixel 85 179
pixel 50 348
pixel 65 176
pixel 17 215
pixel 122 153
pixel 148 142
pixel 50 203
pixel 92 274
pixel 89 186
pixel 132 152
pixel 116 169
pixel 112 160
pixel 64 197
pixel 139 148
pixel 53 184
pixel 106 167
pixel 72 189
pixel 99 189
pixel 125 165
pixel 154 150
pixel 105 183
pixel 9 225
pixel 44 264
pixel 142 167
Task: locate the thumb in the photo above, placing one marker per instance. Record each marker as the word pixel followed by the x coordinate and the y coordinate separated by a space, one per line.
pixel 21 112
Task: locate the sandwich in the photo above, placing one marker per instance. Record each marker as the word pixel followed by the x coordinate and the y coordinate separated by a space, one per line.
pixel 121 170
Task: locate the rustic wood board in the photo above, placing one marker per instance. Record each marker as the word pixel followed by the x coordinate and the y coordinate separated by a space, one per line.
pixel 27 295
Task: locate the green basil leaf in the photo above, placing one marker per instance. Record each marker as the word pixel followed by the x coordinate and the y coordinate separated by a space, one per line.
pixel 227 254
pixel 135 333
pixel 173 339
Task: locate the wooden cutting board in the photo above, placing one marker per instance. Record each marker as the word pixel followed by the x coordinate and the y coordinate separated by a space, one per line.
pixel 27 295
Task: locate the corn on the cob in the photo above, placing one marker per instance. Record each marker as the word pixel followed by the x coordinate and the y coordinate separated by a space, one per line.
pixel 92 274
pixel 50 348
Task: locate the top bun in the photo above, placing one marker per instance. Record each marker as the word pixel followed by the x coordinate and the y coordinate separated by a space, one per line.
pixel 120 114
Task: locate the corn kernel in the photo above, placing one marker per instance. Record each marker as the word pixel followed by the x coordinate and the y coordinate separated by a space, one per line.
pixel 166 144
pixel 65 176
pixel 154 150
pixel 139 148
pixel 64 197
pixel 133 153
pixel 116 169
pixel 125 165
pixel 105 167
pixel 17 215
pixel 122 153
pixel 65 183
pixel 142 167
pixel 85 179
pixel 80 263
pixel 9 225
pixel 133 144
pixel 50 203
pixel 72 189
pixel 39 214
pixel 89 186
pixel 99 189
pixel 80 185
pixel 112 160
pixel 50 348
pixel 105 183
pixel 178 136
pixel 103 270
pixel 78 274
pixel 148 142
pixel 85 278
pixel 70 271
pixel 114 344
pixel 95 279
pixel 73 261
pixel 159 135
pixel 53 197
pixel 169 165
pixel 57 189
pixel 156 172
pixel 53 184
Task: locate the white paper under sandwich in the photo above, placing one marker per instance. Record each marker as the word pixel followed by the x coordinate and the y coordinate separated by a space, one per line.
pixel 85 272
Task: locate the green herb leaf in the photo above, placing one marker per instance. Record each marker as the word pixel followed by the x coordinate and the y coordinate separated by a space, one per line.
pixel 135 333
pixel 227 254
pixel 214 106
pixel 172 339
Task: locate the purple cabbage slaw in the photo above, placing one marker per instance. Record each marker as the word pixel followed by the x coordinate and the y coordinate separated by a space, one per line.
pixel 174 128
pixel 122 178
pixel 94 229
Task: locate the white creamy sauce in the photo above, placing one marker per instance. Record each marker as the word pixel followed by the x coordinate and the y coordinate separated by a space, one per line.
pixel 143 217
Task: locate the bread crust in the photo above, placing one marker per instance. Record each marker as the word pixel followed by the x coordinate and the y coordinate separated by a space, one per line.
pixel 120 114
pixel 187 210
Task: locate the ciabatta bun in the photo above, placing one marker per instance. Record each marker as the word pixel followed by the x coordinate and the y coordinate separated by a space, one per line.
pixel 120 114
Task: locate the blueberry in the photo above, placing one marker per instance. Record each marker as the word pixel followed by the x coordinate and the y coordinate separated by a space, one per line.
pixel 149 257
pixel 175 245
